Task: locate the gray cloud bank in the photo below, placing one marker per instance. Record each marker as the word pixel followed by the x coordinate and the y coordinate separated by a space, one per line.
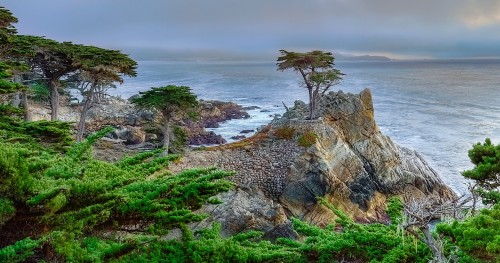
pixel 398 28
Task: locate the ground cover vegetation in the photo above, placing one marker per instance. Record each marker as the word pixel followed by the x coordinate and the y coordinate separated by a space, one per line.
pixel 59 204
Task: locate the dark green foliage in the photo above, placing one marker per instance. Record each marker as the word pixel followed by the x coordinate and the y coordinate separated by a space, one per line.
pixel 349 241
pixel 395 209
pixel 7 110
pixel 180 140
pixel 7 86
pixel 39 92
pixel 486 173
pixel 478 236
pixel 169 98
pixel 57 134
pixel 74 194
pixel 20 251
pixel 15 179
pixel 7 19
pixel 7 210
pixel 208 246
pixel 7 31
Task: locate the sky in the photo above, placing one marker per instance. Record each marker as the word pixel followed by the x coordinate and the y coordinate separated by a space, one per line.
pixel 173 29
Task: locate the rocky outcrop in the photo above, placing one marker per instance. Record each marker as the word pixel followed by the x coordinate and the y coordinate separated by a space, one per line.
pixel 350 163
pixel 214 112
pixel 211 113
pixel 247 210
pixel 135 126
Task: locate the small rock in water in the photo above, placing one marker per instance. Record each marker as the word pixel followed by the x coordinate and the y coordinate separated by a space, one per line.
pixel 246 131
pixel 251 108
pixel 238 137
pixel 265 111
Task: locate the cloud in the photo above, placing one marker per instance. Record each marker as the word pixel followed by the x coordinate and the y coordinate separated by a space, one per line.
pixel 423 28
pixel 481 13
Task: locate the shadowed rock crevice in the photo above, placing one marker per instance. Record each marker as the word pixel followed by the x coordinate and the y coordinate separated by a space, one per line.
pixel 362 190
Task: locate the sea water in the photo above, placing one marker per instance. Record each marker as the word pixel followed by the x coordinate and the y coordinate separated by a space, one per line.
pixel 438 108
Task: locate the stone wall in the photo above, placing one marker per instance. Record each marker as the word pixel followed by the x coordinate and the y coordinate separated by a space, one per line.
pixel 264 167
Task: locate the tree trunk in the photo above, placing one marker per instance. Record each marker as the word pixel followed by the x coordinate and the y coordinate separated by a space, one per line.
pixel 83 116
pixel 436 249
pixel 54 100
pixel 166 134
pixel 24 102
pixel 311 103
pixel 17 99
pixel 314 102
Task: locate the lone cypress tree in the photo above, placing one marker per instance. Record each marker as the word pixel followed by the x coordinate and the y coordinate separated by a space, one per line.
pixel 316 68
pixel 169 101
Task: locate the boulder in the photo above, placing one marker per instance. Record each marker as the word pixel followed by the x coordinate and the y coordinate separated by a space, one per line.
pixel 246 209
pixel 206 138
pixel 130 135
pixel 251 108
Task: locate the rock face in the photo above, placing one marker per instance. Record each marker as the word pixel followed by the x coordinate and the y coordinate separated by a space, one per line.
pixel 241 211
pixel 351 164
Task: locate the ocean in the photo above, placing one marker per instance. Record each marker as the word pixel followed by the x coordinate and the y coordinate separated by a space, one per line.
pixel 439 108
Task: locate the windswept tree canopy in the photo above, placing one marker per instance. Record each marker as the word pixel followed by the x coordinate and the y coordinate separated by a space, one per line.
pixel 167 99
pixel 53 59
pixel 302 62
pixel 98 70
pixel 104 64
pixel 316 69
pixel 7 31
pixel 7 19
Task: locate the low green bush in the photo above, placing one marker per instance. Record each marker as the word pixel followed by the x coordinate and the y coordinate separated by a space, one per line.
pixel 284 132
pixel 478 236
pixel 307 139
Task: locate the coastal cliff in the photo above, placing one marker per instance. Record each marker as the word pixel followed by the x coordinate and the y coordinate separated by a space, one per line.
pixel 348 162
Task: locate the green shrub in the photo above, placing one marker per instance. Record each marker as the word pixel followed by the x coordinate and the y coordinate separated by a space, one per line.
pixel 179 141
pixel 39 92
pixel 20 251
pixel 7 210
pixel 284 132
pixel 486 158
pixel 395 209
pixel 478 236
pixel 357 242
pixel 307 139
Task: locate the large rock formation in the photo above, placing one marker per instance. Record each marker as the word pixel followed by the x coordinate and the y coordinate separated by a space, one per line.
pixel 134 126
pixel 351 164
